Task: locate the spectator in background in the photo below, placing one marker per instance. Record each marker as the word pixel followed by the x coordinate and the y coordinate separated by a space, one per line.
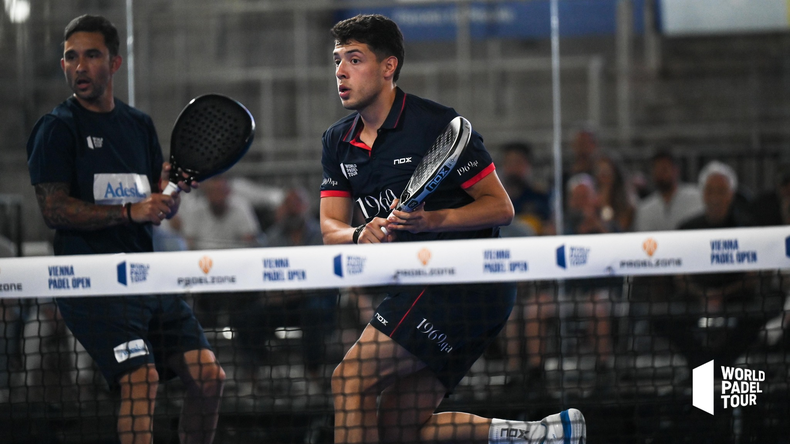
pixel 672 202
pixel 313 312
pixel 773 207
pixel 584 146
pixel 770 209
pixel 294 226
pixel 215 220
pixel 219 220
pixel 584 210
pixel 717 315
pixel 531 202
pixel 589 307
pixel 617 199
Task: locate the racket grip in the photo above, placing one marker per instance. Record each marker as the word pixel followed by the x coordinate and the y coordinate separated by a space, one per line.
pixel 384 229
pixel 170 189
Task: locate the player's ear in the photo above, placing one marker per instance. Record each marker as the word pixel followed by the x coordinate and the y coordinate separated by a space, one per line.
pixel 115 63
pixel 390 64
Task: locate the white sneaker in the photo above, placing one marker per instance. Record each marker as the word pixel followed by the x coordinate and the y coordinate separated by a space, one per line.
pixel 566 427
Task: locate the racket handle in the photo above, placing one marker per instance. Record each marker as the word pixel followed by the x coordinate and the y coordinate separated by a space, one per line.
pixel 171 189
pixel 384 229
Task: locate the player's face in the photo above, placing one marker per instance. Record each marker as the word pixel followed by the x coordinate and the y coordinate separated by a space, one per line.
pixel 360 76
pixel 89 67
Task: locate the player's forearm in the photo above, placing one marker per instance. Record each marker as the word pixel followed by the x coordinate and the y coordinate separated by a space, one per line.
pixel 63 212
pixel 336 232
pixel 335 217
pixel 485 212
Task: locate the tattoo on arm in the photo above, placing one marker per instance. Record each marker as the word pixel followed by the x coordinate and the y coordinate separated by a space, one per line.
pixel 62 211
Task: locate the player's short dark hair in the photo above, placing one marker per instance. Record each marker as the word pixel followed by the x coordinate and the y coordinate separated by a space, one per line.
pixel 524 149
pixel 95 23
pixel 380 33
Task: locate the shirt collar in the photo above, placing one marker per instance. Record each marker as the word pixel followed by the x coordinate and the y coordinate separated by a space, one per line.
pixel 391 122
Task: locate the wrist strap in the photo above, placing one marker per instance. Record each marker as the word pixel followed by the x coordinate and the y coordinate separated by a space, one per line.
pixel 357 232
pixel 128 207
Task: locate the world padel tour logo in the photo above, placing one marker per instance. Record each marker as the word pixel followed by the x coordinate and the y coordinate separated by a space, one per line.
pixel 650 247
pixel 205 264
pixel 740 387
pixel 129 274
pixel 349 265
pixel 572 256
pixel 424 256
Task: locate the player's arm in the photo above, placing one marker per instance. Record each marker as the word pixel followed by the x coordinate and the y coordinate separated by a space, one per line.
pixel 61 211
pixel 491 207
pixel 336 214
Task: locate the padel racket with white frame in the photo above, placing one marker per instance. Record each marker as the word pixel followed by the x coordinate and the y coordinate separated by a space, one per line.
pixel 211 134
pixel 436 165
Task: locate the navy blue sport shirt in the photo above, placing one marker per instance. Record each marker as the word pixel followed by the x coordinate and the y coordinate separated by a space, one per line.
pixel 107 159
pixel 373 177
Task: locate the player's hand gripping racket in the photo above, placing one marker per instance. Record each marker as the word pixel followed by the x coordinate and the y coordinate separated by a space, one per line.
pixel 437 164
pixel 210 135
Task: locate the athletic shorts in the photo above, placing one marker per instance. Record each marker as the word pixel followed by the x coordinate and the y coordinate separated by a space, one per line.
pixel 127 332
pixel 447 327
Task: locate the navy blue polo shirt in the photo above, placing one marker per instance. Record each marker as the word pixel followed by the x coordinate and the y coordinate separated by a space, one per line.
pixel 375 176
pixel 107 159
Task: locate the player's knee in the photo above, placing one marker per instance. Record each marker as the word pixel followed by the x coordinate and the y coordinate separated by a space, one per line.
pixel 140 383
pixel 212 378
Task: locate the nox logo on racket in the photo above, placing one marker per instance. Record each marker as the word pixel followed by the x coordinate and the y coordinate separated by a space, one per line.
pixel 438 178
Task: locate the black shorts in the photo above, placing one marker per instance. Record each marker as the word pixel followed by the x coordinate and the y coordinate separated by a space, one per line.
pixel 447 327
pixel 124 333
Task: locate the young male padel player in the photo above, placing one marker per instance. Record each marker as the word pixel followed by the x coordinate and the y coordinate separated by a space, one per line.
pixel 387 387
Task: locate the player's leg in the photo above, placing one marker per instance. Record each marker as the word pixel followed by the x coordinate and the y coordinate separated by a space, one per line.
pixel 374 362
pixel 204 380
pixel 406 415
pixel 138 398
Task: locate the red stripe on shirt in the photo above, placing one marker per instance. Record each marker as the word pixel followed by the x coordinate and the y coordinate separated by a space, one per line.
pixel 335 193
pixel 407 313
pixel 402 107
pixel 360 144
pixel 479 176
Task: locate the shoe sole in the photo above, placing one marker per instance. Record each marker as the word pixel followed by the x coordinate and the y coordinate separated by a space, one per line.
pixel 574 427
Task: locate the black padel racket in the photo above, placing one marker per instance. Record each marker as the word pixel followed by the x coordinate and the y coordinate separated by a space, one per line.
pixel 211 134
pixel 437 164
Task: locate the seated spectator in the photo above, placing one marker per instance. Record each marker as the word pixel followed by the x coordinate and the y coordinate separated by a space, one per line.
pixel 313 312
pixel 672 202
pixel 585 149
pixel 773 207
pixel 218 219
pixel 583 215
pixel 617 198
pixel 531 202
pixel 589 307
pixel 293 225
pixel 716 315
